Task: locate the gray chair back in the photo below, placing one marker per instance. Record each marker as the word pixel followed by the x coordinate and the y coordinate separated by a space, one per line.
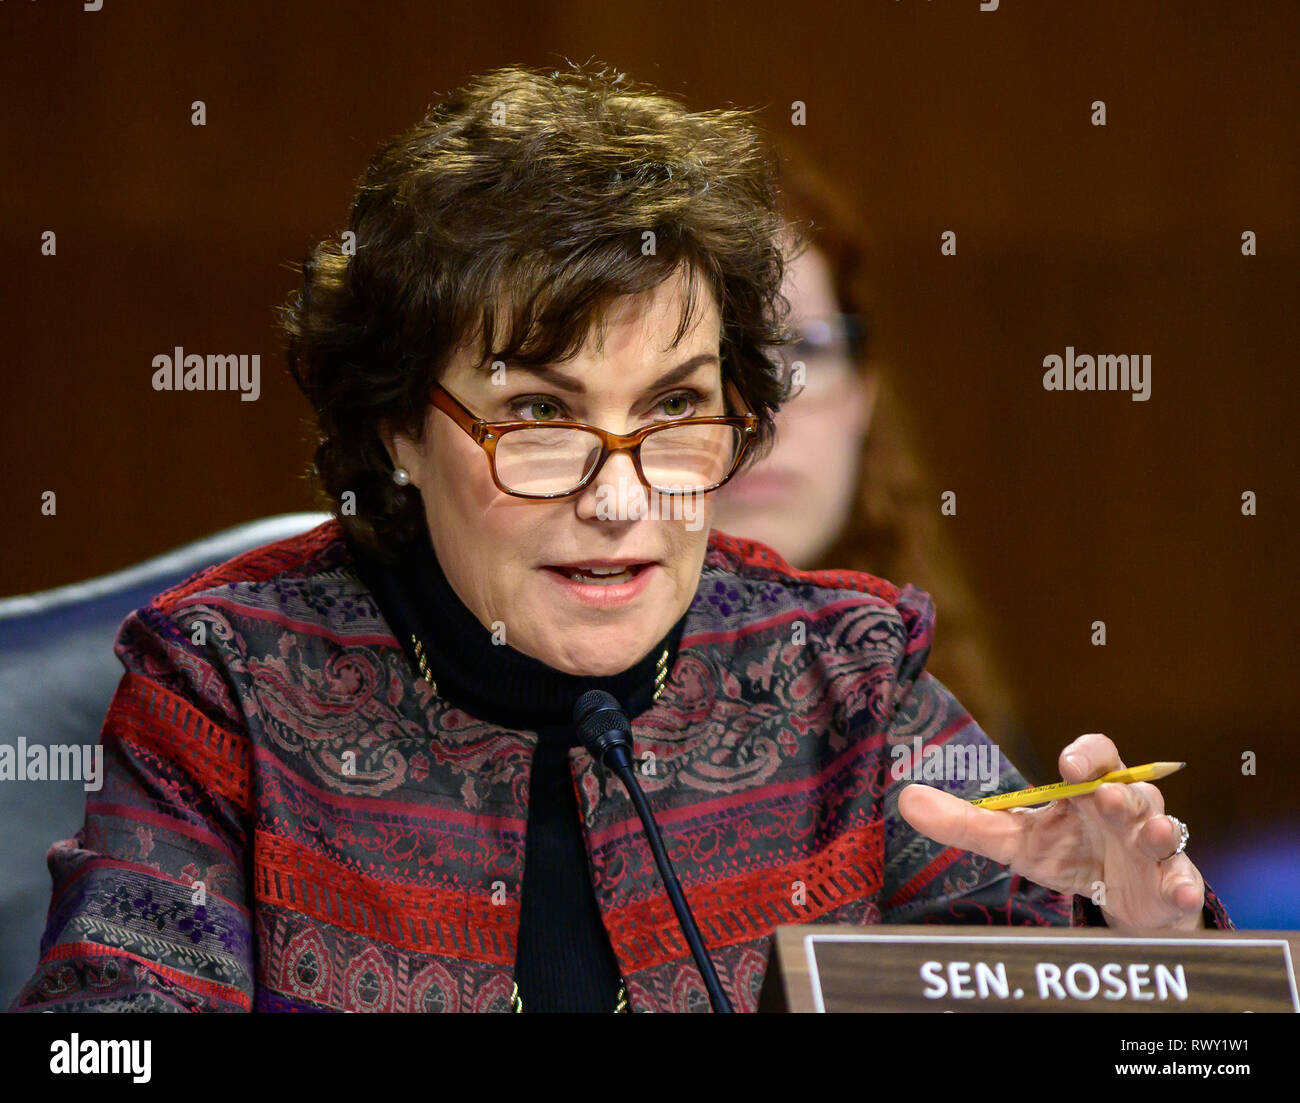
pixel 58 674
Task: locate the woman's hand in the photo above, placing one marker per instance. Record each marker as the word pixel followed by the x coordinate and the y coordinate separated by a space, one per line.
pixel 1117 835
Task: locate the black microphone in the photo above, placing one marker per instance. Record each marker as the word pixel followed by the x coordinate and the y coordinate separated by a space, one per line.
pixel 607 735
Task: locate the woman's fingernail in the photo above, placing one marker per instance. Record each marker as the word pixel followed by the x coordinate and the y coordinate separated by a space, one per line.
pixel 1075 762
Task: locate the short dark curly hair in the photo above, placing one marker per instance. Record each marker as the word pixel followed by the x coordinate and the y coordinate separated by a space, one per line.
pixel 531 191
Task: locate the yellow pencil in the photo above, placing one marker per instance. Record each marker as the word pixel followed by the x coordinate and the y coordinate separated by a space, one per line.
pixel 1152 771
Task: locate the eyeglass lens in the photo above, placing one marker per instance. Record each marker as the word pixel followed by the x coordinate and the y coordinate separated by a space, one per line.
pixel 554 461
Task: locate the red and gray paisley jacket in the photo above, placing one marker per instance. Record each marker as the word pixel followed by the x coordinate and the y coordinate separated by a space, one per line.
pixel 291 819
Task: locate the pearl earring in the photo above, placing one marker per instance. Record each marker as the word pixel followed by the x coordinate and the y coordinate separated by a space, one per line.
pixel 401 476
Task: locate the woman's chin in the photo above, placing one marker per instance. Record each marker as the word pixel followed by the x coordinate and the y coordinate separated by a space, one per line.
pixel 598 657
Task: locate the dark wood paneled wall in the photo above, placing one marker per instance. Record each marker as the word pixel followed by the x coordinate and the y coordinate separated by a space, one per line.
pixel 1072 507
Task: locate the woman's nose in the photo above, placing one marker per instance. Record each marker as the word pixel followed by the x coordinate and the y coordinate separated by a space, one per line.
pixel 616 493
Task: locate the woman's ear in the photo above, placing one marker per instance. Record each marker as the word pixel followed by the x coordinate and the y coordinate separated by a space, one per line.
pixel 402 450
pixel 388 440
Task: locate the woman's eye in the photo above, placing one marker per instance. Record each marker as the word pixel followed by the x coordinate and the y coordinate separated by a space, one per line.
pixel 537 409
pixel 678 405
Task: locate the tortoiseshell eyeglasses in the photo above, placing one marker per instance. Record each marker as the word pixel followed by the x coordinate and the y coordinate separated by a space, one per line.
pixel 553 459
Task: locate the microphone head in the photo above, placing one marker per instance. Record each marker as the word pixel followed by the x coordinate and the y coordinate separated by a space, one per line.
pixel 592 700
pixel 601 723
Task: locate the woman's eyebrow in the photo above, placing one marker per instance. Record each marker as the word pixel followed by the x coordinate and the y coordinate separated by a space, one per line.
pixel 572 384
pixel 684 369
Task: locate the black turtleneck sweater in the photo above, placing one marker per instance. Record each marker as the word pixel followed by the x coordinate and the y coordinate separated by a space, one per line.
pixel 565 961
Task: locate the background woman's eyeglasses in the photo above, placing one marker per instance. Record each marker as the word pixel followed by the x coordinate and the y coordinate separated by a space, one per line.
pixel 828 353
pixel 554 459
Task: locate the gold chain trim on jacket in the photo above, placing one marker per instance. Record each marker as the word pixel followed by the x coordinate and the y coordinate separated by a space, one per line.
pixel 620 1007
pixel 661 672
pixel 661 668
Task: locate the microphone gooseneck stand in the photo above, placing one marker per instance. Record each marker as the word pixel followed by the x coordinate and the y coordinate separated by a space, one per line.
pixel 607 735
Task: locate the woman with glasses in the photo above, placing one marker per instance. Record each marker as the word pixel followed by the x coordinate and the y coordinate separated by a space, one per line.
pixel 342 771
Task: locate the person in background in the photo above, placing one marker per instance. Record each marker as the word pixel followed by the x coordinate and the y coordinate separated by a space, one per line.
pixel 844 485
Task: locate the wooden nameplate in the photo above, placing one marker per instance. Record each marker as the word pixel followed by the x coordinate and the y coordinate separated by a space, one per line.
pixel 929 967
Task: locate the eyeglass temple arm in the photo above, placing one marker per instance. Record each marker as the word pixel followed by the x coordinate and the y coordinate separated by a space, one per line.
pixel 445 401
pixel 735 400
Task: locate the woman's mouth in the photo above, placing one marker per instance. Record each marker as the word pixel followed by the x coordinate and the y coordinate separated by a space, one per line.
pixel 600 576
pixel 603 584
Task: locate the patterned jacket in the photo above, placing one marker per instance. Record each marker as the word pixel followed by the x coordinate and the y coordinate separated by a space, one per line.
pixel 291 819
